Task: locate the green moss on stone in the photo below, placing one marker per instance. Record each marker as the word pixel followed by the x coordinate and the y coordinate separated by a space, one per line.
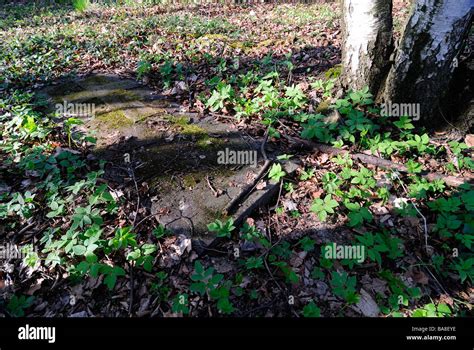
pixel 334 72
pixel 189 181
pixel 115 119
pixel 207 142
pixel 185 128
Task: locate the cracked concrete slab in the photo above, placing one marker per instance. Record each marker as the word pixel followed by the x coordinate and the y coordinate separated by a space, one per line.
pixel 176 154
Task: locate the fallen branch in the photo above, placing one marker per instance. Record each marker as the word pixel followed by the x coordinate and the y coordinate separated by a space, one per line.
pixel 379 162
pixel 234 203
pixel 215 192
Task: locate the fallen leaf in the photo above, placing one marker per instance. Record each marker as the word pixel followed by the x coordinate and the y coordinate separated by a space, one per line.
pixel 366 305
pixel 469 140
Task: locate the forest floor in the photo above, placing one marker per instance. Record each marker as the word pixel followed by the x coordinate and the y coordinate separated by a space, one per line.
pixel 89 237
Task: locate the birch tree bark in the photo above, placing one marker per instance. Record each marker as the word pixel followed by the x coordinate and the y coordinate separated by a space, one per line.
pixel 367 45
pixel 426 57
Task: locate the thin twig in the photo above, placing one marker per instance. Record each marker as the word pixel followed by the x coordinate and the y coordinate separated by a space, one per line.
pixel 26 228
pixel 432 275
pixel 144 219
pixel 272 277
pixel 214 191
pixel 279 196
pixel 248 189
pixel 425 225
pixel 265 259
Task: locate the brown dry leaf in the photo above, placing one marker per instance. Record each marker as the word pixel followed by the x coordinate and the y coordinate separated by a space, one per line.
pixel 413 221
pixel 303 86
pixel 420 277
pixel 444 298
pixel 222 265
pixel 250 177
pixel 289 205
pixel 433 163
pixel 317 194
pixel 469 140
pixel 297 259
pixel 379 286
pixel 323 158
pixel 367 306
pixel 379 209
pixel 199 106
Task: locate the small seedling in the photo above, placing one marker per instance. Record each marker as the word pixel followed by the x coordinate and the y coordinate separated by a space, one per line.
pixel 17 305
pixel 323 207
pixel 160 231
pixel 344 286
pixel 222 229
pixel 311 310
pixel 276 172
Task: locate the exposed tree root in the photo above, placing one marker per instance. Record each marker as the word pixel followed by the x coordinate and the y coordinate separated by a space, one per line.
pixel 379 162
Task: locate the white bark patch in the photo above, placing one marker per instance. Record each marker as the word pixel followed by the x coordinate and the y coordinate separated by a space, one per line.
pixel 437 18
pixel 427 54
pixel 363 25
pixel 443 22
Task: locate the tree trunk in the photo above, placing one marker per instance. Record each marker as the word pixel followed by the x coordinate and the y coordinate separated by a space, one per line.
pixel 367 33
pixel 426 57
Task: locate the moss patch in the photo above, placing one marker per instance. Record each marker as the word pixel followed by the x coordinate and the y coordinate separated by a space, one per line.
pixel 185 128
pixel 115 119
pixel 189 181
pixel 179 120
pixel 207 142
pixel 214 37
pixel 193 130
pixel 334 72
pixel 323 106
